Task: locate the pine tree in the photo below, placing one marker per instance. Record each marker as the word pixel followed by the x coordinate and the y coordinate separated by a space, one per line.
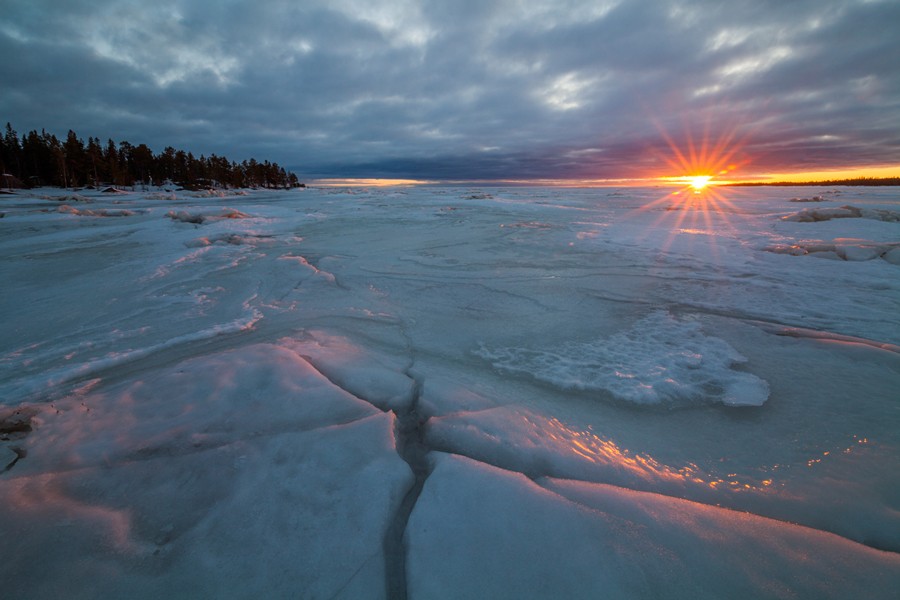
pixel 11 153
pixel 41 159
pixel 74 153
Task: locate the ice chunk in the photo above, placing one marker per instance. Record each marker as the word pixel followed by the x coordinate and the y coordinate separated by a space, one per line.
pixel 858 250
pixel 199 218
pixel 851 249
pixel 99 212
pixel 810 215
pixel 660 359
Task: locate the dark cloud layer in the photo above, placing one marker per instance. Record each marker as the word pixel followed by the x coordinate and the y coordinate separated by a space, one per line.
pixel 467 89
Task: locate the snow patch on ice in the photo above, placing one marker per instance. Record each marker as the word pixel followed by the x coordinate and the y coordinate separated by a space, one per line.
pixel 659 360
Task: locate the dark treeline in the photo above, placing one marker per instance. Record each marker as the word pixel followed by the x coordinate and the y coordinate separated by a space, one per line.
pixel 39 159
pixel 872 181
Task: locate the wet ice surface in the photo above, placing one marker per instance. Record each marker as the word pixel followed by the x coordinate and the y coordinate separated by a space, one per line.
pixel 450 392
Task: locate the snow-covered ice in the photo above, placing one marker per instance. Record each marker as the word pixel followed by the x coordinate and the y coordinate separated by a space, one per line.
pixel 446 392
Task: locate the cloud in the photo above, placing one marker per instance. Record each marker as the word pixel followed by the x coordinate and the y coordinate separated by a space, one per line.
pixel 465 90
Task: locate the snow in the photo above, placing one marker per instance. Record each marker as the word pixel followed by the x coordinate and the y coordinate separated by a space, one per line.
pixel 450 392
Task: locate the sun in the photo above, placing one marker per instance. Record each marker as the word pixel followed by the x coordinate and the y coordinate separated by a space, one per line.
pixel 698 182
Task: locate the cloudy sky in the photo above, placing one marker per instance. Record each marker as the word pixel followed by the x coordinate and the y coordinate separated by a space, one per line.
pixel 467 89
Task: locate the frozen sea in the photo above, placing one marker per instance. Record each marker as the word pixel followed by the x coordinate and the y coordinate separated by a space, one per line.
pixel 450 392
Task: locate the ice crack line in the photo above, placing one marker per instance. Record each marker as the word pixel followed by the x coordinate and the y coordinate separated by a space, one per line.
pixel 409 435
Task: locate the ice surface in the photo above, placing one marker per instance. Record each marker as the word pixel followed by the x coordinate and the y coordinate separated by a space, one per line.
pixel 216 477
pixel 473 534
pixel 258 394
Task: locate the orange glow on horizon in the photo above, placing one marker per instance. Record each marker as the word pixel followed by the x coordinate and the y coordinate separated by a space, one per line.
pixel 826 175
pixel 365 182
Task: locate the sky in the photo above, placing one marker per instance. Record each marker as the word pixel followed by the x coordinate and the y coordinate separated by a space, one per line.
pixel 469 90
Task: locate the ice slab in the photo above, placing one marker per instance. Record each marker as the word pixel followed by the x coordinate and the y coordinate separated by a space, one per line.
pixel 379 379
pixel 237 474
pixel 201 403
pixel 295 514
pixel 479 532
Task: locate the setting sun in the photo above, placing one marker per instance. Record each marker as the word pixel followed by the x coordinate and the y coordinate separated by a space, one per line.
pixel 698 182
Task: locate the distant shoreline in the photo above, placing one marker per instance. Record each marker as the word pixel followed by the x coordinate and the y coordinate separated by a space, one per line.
pixel 859 181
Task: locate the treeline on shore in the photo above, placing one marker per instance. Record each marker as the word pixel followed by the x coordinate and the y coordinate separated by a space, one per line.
pixel 41 159
pixel 873 181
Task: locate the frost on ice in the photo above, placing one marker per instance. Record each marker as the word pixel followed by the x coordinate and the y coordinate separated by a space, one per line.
pixel 659 360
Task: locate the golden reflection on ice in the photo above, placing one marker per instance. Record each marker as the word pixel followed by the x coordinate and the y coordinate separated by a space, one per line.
pixel 818 459
pixel 588 446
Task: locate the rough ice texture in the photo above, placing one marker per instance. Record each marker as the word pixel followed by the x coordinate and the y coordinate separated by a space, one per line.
pixel 658 360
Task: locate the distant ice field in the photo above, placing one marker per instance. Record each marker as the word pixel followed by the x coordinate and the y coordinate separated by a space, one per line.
pixel 432 392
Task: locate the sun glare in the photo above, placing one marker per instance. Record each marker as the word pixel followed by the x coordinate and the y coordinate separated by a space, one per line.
pixel 699 210
pixel 698 182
